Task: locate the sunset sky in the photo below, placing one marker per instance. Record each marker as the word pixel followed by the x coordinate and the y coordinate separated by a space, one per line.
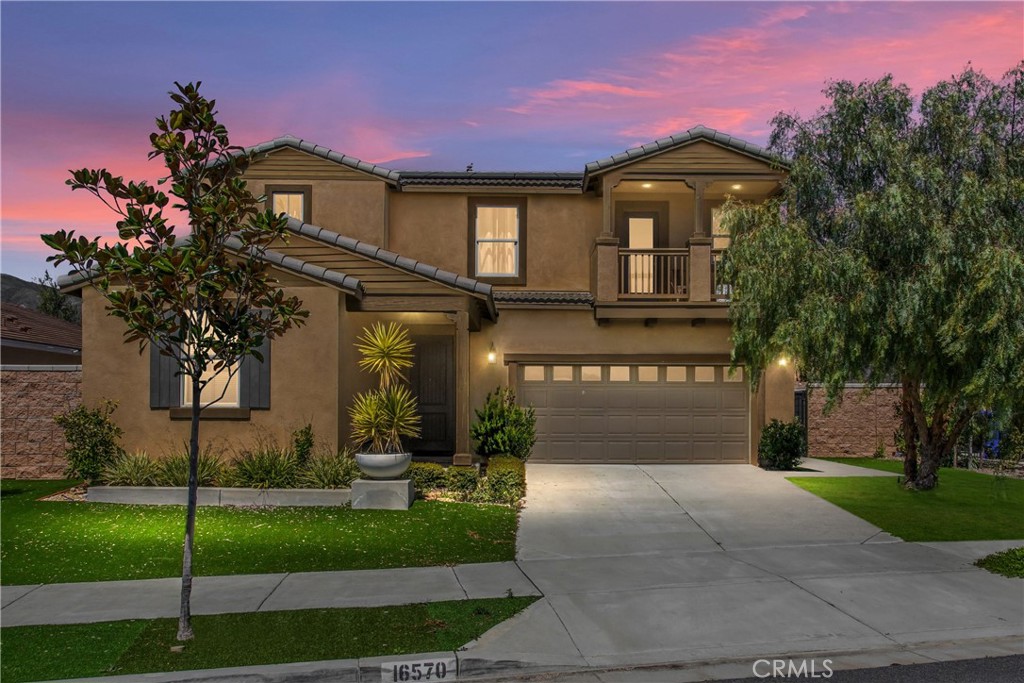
pixel 505 86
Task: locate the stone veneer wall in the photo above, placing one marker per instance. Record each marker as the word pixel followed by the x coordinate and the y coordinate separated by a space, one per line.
pixel 32 445
pixel 856 426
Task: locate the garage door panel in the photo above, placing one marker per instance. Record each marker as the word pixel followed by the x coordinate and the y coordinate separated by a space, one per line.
pixel 639 422
pixel 734 399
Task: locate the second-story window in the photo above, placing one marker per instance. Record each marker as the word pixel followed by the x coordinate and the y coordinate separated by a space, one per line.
pixel 498 240
pixel 293 200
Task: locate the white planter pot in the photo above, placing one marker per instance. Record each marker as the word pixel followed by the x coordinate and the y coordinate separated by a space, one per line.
pixel 383 465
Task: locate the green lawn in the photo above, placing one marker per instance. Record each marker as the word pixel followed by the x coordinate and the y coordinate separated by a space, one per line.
pixel 33 653
pixel 966 506
pixel 60 542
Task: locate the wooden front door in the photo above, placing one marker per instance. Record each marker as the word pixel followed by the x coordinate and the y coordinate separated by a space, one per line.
pixel 432 380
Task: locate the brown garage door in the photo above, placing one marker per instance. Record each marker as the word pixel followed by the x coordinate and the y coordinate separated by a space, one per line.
pixel 637 413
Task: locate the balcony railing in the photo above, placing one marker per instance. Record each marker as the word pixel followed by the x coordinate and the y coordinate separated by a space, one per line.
pixel 653 274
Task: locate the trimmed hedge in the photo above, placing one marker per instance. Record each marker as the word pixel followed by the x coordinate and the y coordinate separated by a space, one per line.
pixel 461 482
pixel 505 482
pixel 783 446
pixel 426 476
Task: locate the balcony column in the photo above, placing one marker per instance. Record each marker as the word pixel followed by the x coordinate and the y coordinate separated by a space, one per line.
pixel 700 247
pixel 604 266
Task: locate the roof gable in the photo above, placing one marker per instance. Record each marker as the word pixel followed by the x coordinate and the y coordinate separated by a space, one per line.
pixel 287 153
pixel 709 147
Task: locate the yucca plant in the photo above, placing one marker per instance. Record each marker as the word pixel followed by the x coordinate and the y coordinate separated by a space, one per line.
pixel 382 417
pixel 131 469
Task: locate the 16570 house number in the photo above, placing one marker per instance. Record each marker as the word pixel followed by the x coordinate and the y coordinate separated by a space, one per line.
pixel 419 670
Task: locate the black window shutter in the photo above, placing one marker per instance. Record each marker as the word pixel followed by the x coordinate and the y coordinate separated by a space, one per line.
pixel 164 382
pixel 254 380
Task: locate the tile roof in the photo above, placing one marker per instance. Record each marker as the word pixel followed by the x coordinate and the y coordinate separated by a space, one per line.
pixel 663 144
pixel 390 258
pixel 569 181
pixel 350 284
pixel 26 325
pixel 324 153
pixel 524 296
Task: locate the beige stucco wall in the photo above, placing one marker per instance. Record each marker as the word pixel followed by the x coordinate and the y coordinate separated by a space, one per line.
pixel 304 382
pixel 355 208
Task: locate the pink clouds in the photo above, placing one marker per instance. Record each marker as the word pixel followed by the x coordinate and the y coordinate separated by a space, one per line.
pixel 737 79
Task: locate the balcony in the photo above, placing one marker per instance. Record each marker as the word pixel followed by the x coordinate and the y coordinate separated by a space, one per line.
pixel 653 274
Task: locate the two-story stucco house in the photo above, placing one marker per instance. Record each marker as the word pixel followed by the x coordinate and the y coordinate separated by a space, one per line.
pixel 593 294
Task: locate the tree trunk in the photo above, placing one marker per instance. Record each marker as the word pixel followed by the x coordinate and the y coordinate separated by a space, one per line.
pixel 185 618
pixel 909 428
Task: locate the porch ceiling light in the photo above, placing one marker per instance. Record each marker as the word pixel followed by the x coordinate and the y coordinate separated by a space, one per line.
pixel 492 355
pixel 647 186
pixel 737 187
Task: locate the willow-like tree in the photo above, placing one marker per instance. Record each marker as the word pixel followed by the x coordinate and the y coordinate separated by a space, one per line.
pixel 203 295
pixel 894 253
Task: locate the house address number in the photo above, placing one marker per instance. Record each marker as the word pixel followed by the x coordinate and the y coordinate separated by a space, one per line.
pixel 419 670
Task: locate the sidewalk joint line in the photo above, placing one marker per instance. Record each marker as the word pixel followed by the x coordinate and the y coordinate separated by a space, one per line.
pixel 25 594
pixel 459 581
pixel 272 591
pixel 680 506
pixel 872 536
pixel 530 579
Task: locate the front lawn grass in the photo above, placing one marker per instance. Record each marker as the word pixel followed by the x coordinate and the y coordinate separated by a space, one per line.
pixel 965 506
pixel 35 653
pixel 58 542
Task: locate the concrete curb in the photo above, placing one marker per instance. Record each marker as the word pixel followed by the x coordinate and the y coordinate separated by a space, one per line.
pixel 215 496
pixel 370 669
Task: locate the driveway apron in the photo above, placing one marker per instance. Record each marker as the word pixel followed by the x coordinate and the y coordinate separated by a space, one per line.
pixel 674 563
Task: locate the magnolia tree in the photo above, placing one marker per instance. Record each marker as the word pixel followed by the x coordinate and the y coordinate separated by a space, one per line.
pixel 895 252
pixel 204 297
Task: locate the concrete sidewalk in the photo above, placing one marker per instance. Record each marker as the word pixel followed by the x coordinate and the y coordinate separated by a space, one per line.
pixel 76 603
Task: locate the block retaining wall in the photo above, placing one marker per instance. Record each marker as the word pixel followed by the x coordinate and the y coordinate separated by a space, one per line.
pixel 856 426
pixel 31 444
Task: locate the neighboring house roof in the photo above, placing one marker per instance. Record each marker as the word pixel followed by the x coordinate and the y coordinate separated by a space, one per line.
pixel 389 258
pixel 24 325
pixel 290 141
pixel 525 296
pixel 568 181
pixel 664 144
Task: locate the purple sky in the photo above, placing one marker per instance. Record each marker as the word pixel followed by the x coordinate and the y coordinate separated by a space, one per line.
pixel 506 86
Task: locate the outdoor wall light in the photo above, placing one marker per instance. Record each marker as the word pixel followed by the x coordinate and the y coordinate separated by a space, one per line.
pixel 783 361
pixel 492 355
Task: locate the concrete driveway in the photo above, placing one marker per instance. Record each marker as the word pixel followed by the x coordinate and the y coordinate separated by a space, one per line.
pixel 644 565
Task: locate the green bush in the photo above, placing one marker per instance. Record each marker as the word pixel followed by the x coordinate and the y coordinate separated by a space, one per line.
pixel 131 469
pixel 783 446
pixel 92 439
pixel 505 482
pixel 329 471
pixel 426 476
pixel 265 467
pixel 462 482
pixel 302 443
pixel 174 469
pixel 503 427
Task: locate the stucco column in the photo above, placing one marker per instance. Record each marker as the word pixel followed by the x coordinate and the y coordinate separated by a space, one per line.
pixel 604 267
pixel 698 206
pixel 461 320
pixel 700 269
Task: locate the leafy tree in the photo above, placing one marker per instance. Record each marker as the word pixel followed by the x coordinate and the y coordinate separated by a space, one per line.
pixel 894 252
pixel 208 299
pixel 54 302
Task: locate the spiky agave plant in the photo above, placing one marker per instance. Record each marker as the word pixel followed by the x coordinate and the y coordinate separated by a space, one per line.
pixel 382 416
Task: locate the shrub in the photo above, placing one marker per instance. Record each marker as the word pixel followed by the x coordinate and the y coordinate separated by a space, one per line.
pixel 131 469
pixel 462 482
pixel 92 439
pixel 426 476
pixel 505 482
pixel 329 471
pixel 174 469
pixel 783 446
pixel 302 443
pixel 266 467
pixel 503 427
